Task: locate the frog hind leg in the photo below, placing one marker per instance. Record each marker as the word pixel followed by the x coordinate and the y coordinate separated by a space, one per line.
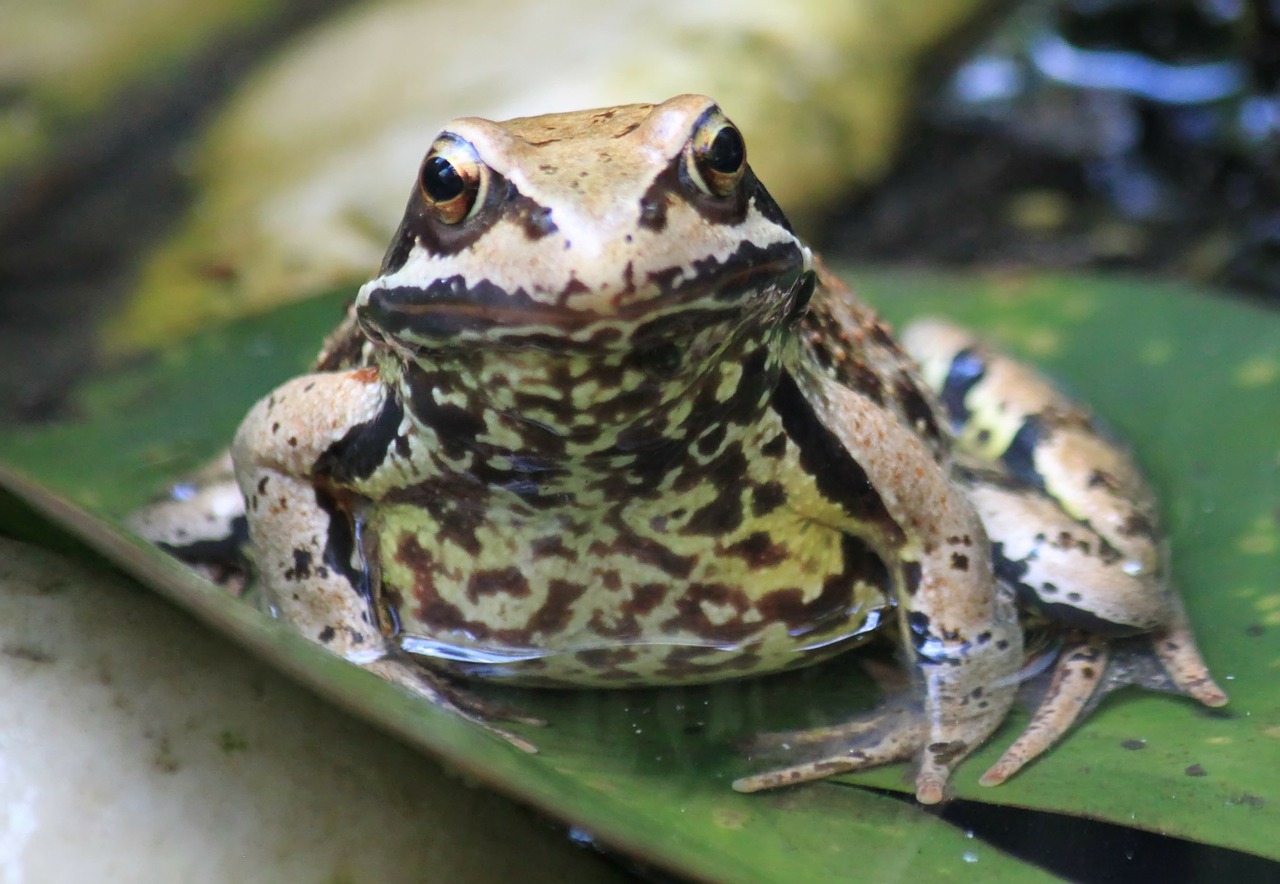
pixel 1073 529
pixel 1088 667
pixel 958 629
pixel 201 522
pixel 1066 573
pixel 964 688
pixel 306 550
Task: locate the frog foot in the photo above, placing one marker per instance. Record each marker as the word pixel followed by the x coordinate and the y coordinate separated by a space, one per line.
pixel 896 732
pixel 937 724
pixel 441 692
pixel 1090 667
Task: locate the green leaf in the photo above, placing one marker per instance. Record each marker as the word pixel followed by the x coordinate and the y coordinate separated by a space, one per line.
pixel 1194 383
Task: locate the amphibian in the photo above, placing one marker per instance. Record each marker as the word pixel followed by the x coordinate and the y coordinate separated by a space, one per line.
pixel 602 419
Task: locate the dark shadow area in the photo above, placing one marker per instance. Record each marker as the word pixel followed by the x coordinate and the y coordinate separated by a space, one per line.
pixel 1095 135
pixel 1088 850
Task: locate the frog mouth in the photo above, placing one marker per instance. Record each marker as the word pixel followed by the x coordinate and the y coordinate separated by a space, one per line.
pixel 450 311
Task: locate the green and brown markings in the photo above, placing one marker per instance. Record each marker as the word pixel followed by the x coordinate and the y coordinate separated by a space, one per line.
pixel 602 419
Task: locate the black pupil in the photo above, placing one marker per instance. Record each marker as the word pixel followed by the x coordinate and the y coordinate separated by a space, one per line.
pixel 441 181
pixel 727 151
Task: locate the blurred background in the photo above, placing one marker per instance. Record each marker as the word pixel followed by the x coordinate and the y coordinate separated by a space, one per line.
pixel 167 165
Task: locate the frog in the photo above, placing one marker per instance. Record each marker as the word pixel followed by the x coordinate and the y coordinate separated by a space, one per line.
pixel 603 420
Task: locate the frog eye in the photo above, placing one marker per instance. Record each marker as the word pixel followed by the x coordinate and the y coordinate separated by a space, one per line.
pixel 719 154
pixel 452 180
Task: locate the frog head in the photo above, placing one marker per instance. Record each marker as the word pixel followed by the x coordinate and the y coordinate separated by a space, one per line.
pixel 589 270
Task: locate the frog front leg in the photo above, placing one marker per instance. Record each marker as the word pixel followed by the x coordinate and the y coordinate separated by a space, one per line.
pixel 304 459
pixel 959 630
pixel 1074 529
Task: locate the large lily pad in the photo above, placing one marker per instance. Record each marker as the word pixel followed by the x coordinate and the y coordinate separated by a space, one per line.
pixel 1194 383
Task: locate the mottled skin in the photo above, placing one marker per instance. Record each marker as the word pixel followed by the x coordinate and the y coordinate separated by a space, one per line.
pixel 602 420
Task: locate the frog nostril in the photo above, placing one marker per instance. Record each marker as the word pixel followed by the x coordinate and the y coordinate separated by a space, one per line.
pixel 538 223
pixel 653 214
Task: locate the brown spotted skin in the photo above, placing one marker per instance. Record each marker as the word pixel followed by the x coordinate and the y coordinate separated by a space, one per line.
pixel 692 535
pixel 1074 529
pixel 602 419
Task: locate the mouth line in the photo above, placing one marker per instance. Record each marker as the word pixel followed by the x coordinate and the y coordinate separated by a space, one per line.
pixel 414 315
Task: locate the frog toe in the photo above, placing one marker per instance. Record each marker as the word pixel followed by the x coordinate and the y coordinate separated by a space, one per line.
pixel 1073 690
pixel 779 742
pixel 202 523
pixel 1090 667
pixel 1175 648
pixel 478 708
pixel 1165 661
pixel 896 733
